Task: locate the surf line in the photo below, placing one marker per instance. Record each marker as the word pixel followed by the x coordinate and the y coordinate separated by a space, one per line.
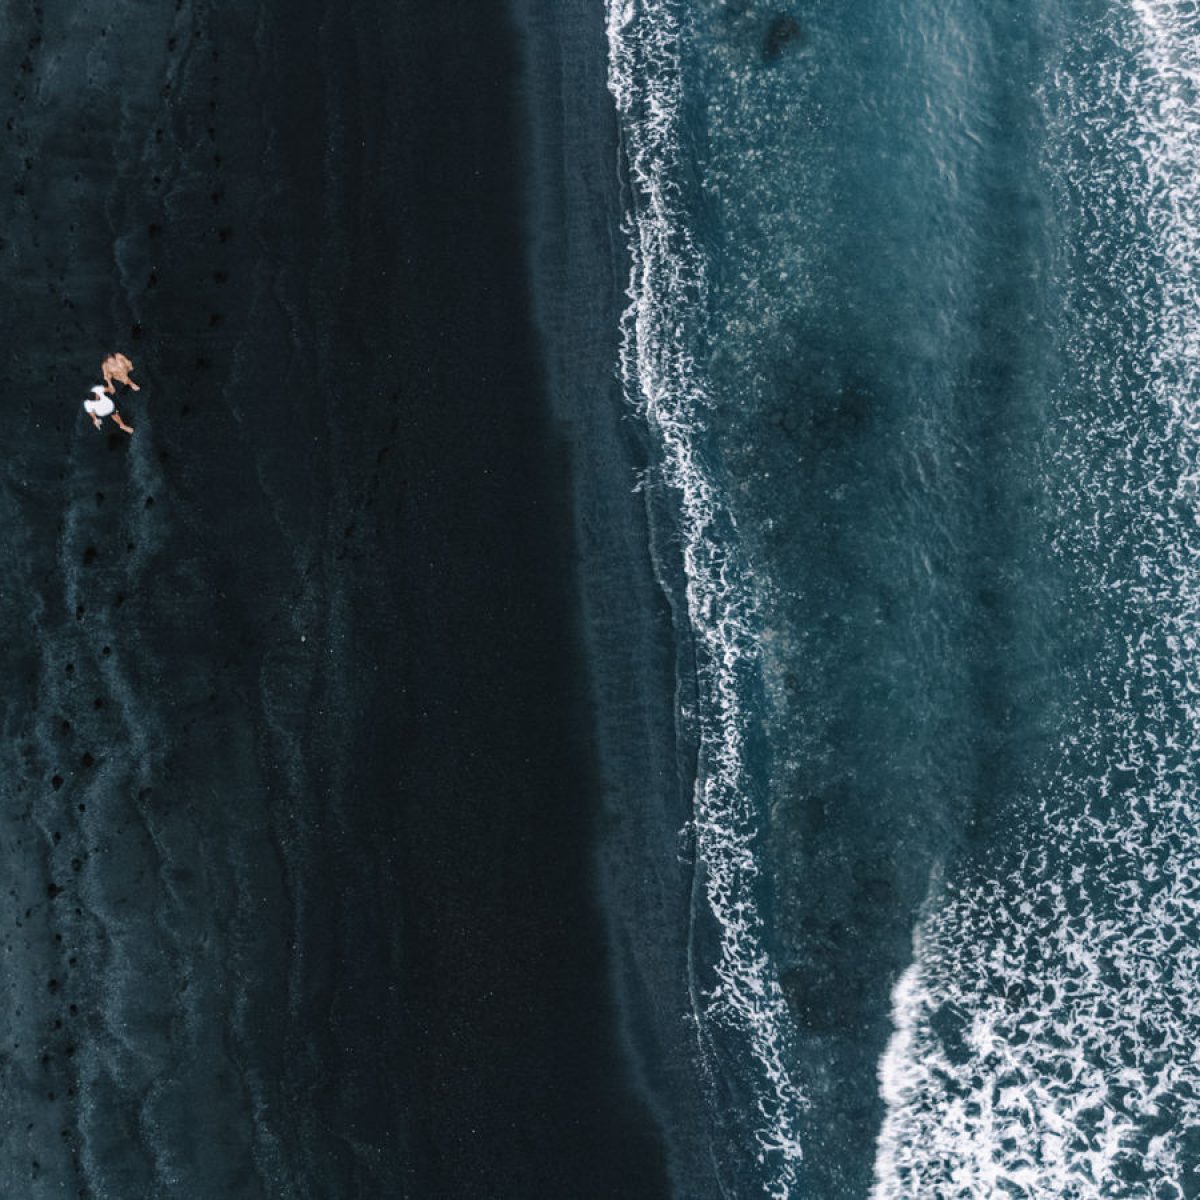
pixel 662 382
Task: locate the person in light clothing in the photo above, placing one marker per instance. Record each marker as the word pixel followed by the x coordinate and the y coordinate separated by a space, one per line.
pixel 100 405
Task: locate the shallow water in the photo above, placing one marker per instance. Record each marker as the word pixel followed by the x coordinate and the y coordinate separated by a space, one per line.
pixel 910 325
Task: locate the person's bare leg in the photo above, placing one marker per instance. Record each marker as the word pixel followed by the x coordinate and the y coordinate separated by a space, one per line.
pixel 116 416
pixel 108 383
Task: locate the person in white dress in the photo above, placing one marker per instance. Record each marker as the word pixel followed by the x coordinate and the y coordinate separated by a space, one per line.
pixel 100 405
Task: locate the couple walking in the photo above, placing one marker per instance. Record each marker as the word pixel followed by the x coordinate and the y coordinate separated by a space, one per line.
pixel 115 366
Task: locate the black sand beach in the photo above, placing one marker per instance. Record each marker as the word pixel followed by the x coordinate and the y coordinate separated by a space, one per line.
pixel 637 669
pixel 300 778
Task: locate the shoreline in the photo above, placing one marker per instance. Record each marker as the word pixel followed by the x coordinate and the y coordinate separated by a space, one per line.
pixel 644 872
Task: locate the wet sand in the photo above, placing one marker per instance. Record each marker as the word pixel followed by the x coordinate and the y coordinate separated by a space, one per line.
pixel 299 786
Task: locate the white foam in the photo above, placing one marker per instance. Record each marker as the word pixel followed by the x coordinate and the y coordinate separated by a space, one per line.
pixel 1045 1035
pixel 667 295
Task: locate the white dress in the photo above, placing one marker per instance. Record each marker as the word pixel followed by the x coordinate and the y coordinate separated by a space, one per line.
pixel 99 406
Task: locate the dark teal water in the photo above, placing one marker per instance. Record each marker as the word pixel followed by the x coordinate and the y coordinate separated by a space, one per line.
pixel 911 326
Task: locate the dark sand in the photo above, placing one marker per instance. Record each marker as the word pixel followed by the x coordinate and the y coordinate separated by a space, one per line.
pixel 298 789
pixel 638 664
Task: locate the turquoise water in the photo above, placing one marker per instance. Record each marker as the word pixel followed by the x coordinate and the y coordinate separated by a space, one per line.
pixel 911 326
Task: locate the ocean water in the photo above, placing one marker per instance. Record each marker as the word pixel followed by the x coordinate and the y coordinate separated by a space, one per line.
pixel 911 327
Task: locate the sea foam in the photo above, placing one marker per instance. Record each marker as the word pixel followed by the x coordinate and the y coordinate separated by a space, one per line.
pixel 742 1023
pixel 1045 1035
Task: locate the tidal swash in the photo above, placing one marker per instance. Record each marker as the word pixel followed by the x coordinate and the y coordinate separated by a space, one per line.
pixel 914 323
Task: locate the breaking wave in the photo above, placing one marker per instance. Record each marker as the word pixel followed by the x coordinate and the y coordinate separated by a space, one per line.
pixel 744 1014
